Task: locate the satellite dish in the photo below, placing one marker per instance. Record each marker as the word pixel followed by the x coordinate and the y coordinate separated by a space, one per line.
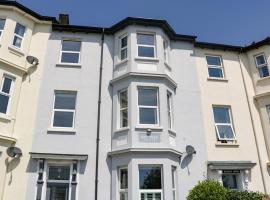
pixel 14 152
pixel 32 60
pixel 190 150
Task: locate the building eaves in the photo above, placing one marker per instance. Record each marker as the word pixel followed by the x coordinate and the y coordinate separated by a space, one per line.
pixel 27 10
pixel 256 45
pixel 216 46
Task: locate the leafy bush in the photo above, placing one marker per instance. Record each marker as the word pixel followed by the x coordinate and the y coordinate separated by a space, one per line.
pixel 244 195
pixel 208 190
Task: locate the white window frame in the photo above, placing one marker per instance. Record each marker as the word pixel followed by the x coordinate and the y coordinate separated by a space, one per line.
pixel 17 35
pixel 170 110
pixel 215 66
pixel 2 30
pixel 121 109
pixel 75 52
pixel 123 48
pixel 64 110
pixel 174 180
pixel 55 164
pixel 166 50
pixel 10 92
pixel 145 45
pixel 142 106
pixel 121 191
pixel 224 124
pixel 151 191
pixel 262 65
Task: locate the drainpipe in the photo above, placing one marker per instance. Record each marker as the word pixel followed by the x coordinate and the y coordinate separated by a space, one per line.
pixel 98 115
pixel 252 123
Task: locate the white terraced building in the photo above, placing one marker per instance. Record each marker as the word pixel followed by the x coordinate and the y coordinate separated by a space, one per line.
pixel 133 111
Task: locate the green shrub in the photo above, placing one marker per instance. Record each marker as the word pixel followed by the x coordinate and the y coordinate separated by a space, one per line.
pixel 244 195
pixel 208 190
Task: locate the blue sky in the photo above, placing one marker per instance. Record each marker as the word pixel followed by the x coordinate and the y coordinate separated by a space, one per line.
pixel 237 22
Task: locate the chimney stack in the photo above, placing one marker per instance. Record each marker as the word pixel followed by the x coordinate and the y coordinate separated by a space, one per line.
pixel 64 19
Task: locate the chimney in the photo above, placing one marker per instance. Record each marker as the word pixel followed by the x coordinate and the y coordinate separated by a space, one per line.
pixel 64 19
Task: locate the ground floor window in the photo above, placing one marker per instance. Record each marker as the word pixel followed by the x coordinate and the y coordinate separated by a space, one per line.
pixel 150 180
pixel 231 179
pixel 123 183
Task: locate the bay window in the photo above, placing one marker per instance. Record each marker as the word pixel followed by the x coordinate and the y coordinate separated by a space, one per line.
pixel 223 123
pixel 5 93
pixel 150 180
pixel 166 51
pixel 2 25
pixel 64 109
pixel 268 110
pixel 215 67
pixel 70 52
pixel 123 101
pixel 174 182
pixel 123 185
pixel 262 66
pixel 148 106
pixel 146 45
pixel 18 35
pixel 169 110
pixel 123 47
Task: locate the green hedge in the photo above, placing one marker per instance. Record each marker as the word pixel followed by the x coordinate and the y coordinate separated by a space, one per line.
pixel 212 190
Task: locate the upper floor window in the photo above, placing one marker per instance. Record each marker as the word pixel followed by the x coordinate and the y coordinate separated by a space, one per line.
pixel 18 35
pixel 150 182
pixel 71 51
pixel 64 109
pixel 123 185
pixel 223 123
pixel 123 100
pixel 2 25
pixel 58 182
pixel 5 94
pixel 169 110
pixel 215 67
pixel 166 50
pixel 123 47
pixel 268 110
pixel 148 106
pixel 261 64
pixel 146 45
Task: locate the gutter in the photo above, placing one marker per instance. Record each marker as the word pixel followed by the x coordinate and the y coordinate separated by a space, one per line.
pixel 98 114
pixel 252 123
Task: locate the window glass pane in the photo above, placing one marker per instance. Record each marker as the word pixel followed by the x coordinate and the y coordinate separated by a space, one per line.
pixel 229 181
pixel 146 51
pixel 173 176
pixel 58 192
pixel 123 196
pixel 147 97
pixel 123 54
pixel 71 45
pixel 123 99
pixel 124 42
pixel 213 60
pixel 17 41
pixel 59 173
pixel 215 72
pixel 145 39
pixel 3 103
pixel 150 177
pixel 225 132
pixel 263 71
pixel 124 118
pixel 221 114
pixel 6 85
pixel 260 60
pixel 123 178
pixel 2 23
pixel 70 57
pixel 63 119
pixel 65 100
pixel 148 116
pixel 19 29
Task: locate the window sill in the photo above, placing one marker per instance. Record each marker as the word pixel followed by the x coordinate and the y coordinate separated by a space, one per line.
pixel 217 79
pixel 120 130
pixel 16 50
pixel 149 128
pixel 5 117
pixel 263 79
pixel 219 144
pixel 121 62
pixel 147 59
pixel 71 65
pixel 61 130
